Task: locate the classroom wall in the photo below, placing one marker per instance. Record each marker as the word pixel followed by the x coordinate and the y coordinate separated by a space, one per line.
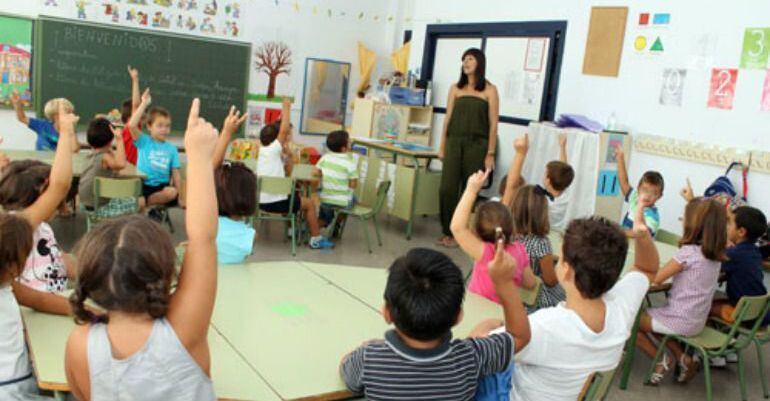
pixel 633 96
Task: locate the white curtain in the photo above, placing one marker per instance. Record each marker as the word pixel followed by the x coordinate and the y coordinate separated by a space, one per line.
pixel 582 155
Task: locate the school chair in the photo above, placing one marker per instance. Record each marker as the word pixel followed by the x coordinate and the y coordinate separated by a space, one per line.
pixel 761 337
pixel 711 342
pixel 365 214
pixel 112 188
pixel 597 386
pixel 279 186
pixel 667 237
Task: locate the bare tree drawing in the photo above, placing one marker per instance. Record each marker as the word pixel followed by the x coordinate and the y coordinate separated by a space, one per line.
pixel 273 58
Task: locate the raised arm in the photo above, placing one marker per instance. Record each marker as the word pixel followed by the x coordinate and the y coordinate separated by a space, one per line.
pixel 285 129
pixel 563 148
pixel 450 105
pixel 136 96
pixel 646 258
pixel 116 161
pixel 687 192
pixel 17 106
pixel 136 117
pixel 192 304
pixel 622 172
pixel 41 301
pixel 61 173
pixel 231 124
pixel 521 145
pixel 472 245
pixel 494 116
pixel 502 270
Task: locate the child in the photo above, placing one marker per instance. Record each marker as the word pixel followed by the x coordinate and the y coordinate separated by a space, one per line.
pixel 48 129
pixel 128 108
pixel 504 183
pixel 695 271
pixel 236 187
pixel 34 190
pixel 339 175
pixel 558 177
pixel 493 220
pixel 16 232
pixel 270 164
pixel 158 159
pixel 649 190
pixel 531 227
pixel 102 162
pixel 743 267
pixel 419 359
pixel 586 333
pixel 127 267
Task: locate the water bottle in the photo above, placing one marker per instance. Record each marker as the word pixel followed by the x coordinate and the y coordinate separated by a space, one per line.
pixel 611 122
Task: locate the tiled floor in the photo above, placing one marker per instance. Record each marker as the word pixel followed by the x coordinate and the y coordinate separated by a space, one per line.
pixel 351 250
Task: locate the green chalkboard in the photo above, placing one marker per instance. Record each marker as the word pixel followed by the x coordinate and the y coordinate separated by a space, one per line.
pixel 86 63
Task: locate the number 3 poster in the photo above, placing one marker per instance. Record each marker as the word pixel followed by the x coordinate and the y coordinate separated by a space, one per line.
pixel 722 89
pixel 756 48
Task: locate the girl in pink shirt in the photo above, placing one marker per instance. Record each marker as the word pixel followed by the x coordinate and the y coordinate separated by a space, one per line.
pixel 493 219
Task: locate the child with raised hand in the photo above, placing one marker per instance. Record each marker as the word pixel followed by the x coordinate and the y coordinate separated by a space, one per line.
pixel 236 187
pixel 29 187
pixel 47 129
pixel 127 268
pixel 695 271
pixel 157 159
pixel 127 109
pixel 419 359
pixel 648 191
pixel 493 221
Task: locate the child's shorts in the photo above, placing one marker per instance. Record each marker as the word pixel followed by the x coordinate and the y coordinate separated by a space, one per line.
pixel 148 190
pixel 282 207
pixel 326 212
pixel 495 387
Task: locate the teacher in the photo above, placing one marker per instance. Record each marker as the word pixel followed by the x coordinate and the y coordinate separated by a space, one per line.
pixel 469 137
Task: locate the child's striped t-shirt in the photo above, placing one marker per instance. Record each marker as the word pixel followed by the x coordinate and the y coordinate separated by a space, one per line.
pixel 338 169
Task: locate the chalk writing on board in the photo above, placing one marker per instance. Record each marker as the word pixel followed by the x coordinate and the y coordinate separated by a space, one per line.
pixel 77 34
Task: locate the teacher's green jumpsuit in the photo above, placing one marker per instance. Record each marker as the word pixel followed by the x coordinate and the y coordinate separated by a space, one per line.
pixel 467 138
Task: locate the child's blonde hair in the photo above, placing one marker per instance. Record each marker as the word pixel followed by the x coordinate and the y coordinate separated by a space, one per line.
pixel 51 108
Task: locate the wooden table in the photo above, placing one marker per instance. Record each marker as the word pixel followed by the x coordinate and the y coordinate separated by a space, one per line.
pixel 79 161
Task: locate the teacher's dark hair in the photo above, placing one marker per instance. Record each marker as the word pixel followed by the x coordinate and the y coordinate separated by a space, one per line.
pixel 480 73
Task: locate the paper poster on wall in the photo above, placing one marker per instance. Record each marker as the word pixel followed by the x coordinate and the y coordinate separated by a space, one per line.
pixel 722 88
pixel 511 87
pixel 765 106
pixel 15 59
pixel 533 60
pixel 672 88
pixel 703 47
pixel 608 183
pixel 529 90
pixel 255 121
pixel 651 37
pixel 613 142
pixel 756 47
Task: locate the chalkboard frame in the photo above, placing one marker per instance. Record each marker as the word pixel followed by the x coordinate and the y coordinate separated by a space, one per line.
pixel 37 73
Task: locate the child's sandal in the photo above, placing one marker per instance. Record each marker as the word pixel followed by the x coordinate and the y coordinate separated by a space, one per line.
pixel 657 377
pixel 686 373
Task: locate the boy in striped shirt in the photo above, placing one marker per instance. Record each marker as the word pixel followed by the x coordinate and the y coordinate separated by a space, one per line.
pixel 339 175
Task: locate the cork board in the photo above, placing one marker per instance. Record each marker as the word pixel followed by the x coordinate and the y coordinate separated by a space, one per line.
pixel 604 44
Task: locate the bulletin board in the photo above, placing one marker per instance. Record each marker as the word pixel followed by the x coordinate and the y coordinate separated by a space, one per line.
pixel 604 45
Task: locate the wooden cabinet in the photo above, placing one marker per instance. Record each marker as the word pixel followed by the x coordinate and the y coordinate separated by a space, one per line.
pixel 397 122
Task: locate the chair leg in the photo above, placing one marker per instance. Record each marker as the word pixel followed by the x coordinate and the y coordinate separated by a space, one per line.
pixel 330 227
pixel 741 375
pixel 377 230
pixel 293 237
pixel 707 373
pixel 762 377
pixel 628 358
pixel 366 235
pixel 661 349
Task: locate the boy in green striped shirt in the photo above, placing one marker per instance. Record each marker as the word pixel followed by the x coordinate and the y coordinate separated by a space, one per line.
pixel 339 175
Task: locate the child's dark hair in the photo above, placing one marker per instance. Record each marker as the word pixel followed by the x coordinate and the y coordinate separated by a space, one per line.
pixel 236 187
pixel 337 140
pixel 269 133
pixel 99 133
pixel 15 245
pixel 155 112
pixel 705 224
pixel 752 220
pixel 126 109
pixel 125 264
pixel 560 174
pixel 424 294
pixel 520 182
pixel 530 212
pixel 653 178
pixel 596 250
pixel 22 183
pixel 489 216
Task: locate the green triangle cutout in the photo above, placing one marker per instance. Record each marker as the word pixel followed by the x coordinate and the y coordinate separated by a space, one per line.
pixel 657 46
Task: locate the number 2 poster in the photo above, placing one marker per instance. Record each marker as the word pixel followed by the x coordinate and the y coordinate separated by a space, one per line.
pixel 722 89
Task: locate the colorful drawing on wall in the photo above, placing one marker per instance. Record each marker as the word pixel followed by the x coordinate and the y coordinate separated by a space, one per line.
pixel 756 47
pixel 657 46
pixel 613 142
pixel 651 35
pixel 608 183
pixel 644 18
pixel 255 121
pixel 672 89
pixel 661 19
pixel 722 88
pixel 640 43
pixel 765 106
pixel 273 58
pixel 15 59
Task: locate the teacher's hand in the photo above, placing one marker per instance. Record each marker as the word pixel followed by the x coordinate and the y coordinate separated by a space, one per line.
pixel 489 162
pixel 441 154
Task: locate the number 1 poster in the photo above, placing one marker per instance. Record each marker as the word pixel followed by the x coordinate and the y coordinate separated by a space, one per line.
pixel 722 89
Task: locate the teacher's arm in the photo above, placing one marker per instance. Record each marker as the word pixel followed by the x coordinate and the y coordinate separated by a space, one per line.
pixel 450 105
pixel 494 117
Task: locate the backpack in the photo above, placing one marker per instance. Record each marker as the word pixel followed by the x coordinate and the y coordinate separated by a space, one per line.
pixel 722 188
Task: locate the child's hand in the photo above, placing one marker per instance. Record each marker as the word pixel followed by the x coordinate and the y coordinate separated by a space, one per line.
pixel 233 120
pixel 521 144
pixel 476 181
pixel 133 73
pixel 687 192
pixel 67 119
pixel 15 98
pixel 200 138
pixel 146 97
pixel 502 269
pixel 619 153
pixel 562 140
pixel 287 102
pixel 640 226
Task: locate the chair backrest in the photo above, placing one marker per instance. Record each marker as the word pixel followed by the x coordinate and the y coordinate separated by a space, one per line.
pixel 111 188
pixel 667 237
pixel 529 297
pixel 597 386
pixel 382 194
pixel 275 185
pixel 748 309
